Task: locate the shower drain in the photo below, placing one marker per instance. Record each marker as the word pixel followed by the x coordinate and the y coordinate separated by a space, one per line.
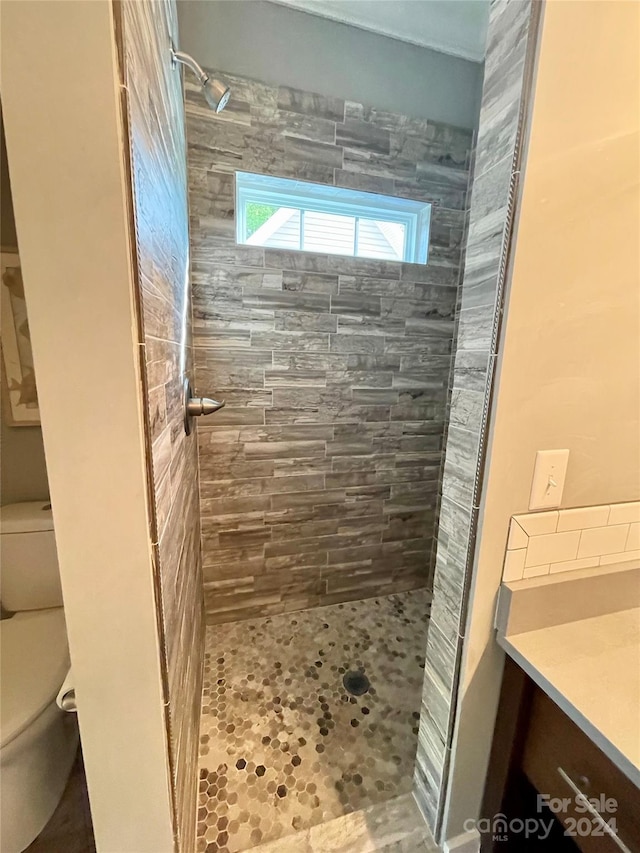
pixel 356 683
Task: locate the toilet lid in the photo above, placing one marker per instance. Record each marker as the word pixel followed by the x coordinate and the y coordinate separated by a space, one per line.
pixel 34 660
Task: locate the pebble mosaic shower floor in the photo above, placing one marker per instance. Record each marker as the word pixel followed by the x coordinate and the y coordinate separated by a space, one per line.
pixel 283 744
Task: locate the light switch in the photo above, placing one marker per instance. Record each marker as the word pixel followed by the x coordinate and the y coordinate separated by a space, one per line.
pixel 548 479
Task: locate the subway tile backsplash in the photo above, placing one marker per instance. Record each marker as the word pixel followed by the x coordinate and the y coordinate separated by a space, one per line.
pixel 567 540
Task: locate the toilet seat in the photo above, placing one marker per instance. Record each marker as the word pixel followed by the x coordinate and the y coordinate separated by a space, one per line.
pixel 34 661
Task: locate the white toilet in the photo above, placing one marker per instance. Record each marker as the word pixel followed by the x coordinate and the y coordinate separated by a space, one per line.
pixel 38 741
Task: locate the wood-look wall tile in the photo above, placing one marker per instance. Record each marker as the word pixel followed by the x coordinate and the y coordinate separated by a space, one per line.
pixel 158 155
pixel 375 286
pixel 310 282
pixel 313 355
pixel 308 103
pixel 312 153
pixel 360 134
pixel 467 408
pixel 366 183
pixel 312 128
pixel 508 41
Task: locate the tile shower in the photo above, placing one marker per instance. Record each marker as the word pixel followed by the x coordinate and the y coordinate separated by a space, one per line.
pixel 284 744
pixel 319 480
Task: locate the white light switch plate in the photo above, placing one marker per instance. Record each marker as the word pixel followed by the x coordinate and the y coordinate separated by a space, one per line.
pixel 548 479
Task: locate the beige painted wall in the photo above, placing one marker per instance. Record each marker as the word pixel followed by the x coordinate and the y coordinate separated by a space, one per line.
pixel 65 141
pixel 570 370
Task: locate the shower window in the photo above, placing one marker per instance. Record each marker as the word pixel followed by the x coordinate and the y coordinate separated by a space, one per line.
pixel 279 213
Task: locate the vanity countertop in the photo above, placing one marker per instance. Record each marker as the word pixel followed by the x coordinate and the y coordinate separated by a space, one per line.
pixel 589 666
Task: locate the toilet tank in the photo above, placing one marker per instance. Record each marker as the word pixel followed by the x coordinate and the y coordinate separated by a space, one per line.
pixel 29 579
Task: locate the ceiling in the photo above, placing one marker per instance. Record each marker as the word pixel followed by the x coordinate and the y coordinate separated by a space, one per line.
pixel 457 27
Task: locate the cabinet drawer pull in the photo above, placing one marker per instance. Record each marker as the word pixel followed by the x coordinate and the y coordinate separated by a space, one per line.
pixel 594 812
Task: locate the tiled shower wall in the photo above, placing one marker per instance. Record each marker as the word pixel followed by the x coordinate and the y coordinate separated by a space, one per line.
pixel 154 104
pixel 319 478
pixel 510 50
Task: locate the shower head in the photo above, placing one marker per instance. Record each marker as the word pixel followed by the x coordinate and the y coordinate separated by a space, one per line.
pixel 216 92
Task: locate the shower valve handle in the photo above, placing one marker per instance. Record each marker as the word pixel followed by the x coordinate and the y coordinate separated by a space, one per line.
pixel 195 407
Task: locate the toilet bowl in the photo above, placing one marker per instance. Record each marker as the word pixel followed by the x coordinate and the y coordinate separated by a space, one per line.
pixel 38 741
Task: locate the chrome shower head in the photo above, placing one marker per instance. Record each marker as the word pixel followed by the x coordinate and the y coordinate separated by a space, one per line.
pixel 216 92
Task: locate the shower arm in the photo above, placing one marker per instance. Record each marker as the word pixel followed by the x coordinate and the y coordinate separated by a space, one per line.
pixel 216 92
pixel 189 61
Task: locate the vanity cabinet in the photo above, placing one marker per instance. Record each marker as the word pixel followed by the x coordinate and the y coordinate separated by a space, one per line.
pixel 544 766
